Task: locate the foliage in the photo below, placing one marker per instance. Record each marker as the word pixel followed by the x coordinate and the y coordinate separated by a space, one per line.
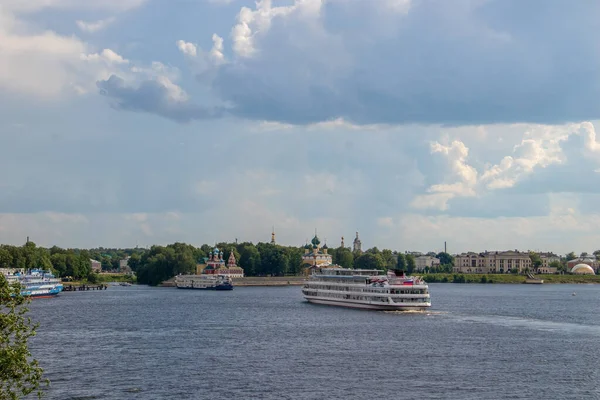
pixel 20 375
pixel 445 259
pixel 509 278
pixel 389 261
pixel 369 261
pixel 558 265
pixel 344 257
pixel 571 256
pixel 536 260
pixel 410 263
pixel 401 264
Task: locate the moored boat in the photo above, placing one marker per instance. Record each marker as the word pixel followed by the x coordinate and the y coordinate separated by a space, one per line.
pixel 204 282
pixel 366 289
pixel 36 283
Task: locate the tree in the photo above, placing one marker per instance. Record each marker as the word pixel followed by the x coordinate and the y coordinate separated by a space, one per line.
pixel 445 258
pixel 571 256
pixel 536 261
pixel 389 261
pixel 20 375
pixel 344 257
pixel 250 260
pixel 401 262
pixel 5 258
pixel 410 263
pixel 369 261
pixel 557 264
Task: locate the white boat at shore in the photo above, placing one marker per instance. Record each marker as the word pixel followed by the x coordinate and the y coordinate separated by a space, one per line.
pixel 204 282
pixel 366 289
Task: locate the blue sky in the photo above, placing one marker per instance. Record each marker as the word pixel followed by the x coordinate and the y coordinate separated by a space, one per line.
pixel 414 122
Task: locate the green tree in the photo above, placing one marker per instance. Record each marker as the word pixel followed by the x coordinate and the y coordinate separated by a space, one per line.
pixel 557 264
pixel 6 258
pixel 536 261
pixel 369 261
pixel 20 375
pixel 571 256
pixel 389 261
pixel 401 264
pixel 445 259
pixel 250 260
pixel 344 257
pixel 410 263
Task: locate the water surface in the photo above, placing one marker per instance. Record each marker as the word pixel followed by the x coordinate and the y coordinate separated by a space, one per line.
pixel 476 342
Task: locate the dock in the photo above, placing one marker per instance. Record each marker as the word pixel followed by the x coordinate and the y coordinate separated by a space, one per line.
pixel 80 288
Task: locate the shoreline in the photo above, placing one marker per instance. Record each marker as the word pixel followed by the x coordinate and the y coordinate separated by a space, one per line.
pixel 278 281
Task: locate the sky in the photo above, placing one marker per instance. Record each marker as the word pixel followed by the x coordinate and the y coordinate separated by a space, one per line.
pixel 412 122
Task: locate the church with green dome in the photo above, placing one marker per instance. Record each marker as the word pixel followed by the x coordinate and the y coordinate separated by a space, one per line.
pixel 316 255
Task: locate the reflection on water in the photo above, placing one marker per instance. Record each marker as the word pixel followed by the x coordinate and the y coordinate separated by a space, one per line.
pixel 476 342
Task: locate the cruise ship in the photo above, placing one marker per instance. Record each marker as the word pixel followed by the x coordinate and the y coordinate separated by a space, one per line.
pixel 36 283
pixel 204 282
pixel 366 289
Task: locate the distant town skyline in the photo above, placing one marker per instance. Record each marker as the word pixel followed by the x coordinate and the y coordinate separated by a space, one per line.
pixel 463 121
pixel 273 237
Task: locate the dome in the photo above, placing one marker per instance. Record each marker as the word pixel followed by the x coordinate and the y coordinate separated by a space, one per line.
pixel 325 246
pixel 316 241
pixel 582 269
pixel 216 251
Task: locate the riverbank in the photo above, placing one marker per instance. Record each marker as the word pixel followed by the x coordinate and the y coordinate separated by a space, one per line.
pixel 508 278
pixel 256 281
pixel 103 278
pixel 429 278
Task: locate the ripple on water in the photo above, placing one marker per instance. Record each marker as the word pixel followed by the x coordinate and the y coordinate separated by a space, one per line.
pixel 475 342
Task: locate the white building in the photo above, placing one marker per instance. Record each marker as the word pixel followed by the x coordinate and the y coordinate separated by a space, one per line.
pixel 422 262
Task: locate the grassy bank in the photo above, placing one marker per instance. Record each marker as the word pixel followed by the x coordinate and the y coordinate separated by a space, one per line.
pixel 508 278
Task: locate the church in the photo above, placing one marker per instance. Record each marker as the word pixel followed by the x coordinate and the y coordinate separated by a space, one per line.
pixel 315 255
pixel 214 264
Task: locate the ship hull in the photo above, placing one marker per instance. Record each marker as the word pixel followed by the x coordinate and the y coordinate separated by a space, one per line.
pixel 366 305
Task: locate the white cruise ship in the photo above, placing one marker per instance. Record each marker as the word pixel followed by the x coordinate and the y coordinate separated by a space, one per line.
pixel 366 289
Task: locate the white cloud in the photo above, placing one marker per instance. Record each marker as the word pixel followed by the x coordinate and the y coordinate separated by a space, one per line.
pixel 48 65
pixel 21 6
pixel 216 52
pixel 254 23
pixel 189 49
pixel 95 26
pixel 539 148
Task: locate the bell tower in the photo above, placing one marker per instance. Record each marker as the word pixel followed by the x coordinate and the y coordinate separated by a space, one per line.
pixel 357 244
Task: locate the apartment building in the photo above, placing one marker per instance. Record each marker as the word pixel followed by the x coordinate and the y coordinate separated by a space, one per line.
pixel 424 261
pixel 492 262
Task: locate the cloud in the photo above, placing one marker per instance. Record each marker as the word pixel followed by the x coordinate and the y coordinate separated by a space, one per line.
pixel 95 26
pixel 159 96
pixel 30 6
pixel 540 148
pixel 186 48
pixel 429 63
pixel 44 64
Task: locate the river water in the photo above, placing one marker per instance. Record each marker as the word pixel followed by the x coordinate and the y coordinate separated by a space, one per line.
pixel 476 342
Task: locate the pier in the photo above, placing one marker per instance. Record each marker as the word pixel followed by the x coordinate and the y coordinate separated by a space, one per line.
pixel 78 288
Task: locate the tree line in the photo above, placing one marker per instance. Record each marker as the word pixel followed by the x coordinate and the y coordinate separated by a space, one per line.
pixel 159 263
pixel 74 263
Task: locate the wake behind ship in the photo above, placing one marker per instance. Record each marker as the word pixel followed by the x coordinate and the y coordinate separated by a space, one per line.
pixel 366 289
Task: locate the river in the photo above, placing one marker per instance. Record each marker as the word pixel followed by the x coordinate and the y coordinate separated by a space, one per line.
pixel 476 342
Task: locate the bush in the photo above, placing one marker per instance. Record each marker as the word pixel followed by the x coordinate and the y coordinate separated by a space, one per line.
pixel 92 277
